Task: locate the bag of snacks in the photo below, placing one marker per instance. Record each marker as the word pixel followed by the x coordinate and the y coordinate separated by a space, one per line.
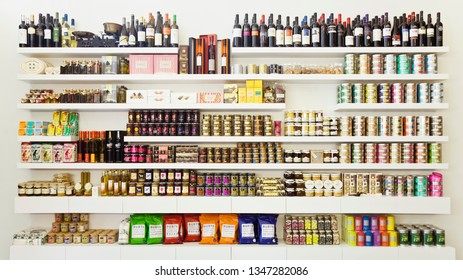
pixel 154 229
pixel 267 229
pixel 228 228
pixel 173 230
pixel 137 229
pixel 192 228
pixel 124 229
pixel 209 228
pixel 247 225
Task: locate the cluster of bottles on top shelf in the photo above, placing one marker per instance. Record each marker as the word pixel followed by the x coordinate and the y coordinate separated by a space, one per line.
pixel 405 30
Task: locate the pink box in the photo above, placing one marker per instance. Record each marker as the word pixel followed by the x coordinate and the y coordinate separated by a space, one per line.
pixel 141 64
pixel 166 64
pixel 210 97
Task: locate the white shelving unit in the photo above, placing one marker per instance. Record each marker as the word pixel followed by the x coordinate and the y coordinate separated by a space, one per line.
pixel 91 52
pixel 345 107
pixel 47 138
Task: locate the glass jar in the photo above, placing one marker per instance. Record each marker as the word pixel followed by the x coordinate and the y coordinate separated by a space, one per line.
pixel 297 156
pixel 65 227
pixel 21 189
pixel 326 156
pixel 334 156
pixel 289 156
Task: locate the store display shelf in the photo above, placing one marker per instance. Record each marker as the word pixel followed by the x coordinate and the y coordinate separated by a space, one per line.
pixel 91 52
pixel 224 78
pixel 236 166
pixel 48 138
pixel 228 204
pixel 329 52
pixel 98 107
pixel 190 251
pixel 281 139
pixel 390 107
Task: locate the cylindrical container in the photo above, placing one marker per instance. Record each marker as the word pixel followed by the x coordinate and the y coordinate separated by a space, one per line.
pixel 366 223
pixel 371 126
pixel 436 126
pixel 390 223
pixel 374 223
pixel 370 153
pixel 435 153
pixel 377 64
pixel 358 93
pixel 397 126
pixel 344 93
pixel 384 94
pixel 345 153
pixel 393 238
pixel 410 93
pixel 360 238
pixel 409 126
pixel 397 93
pixel 351 238
pixel 428 237
pixel 350 64
pixel 358 125
pixel 382 221
pixel 358 223
pixel 358 153
pixel 383 153
pixel 390 64
pixel 371 93
pixel 376 238
pixel 400 186
pixel 384 238
pixel 415 237
pixel 384 126
pixel 420 186
pixel 364 64
pixel 408 153
pixel 346 126
pixel 437 92
pixel 423 126
pixel 403 236
pixel 417 63
pixel 440 237
pixel 423 93
pixel 369 238
pixel 431 63
pixel 388 186
pixel 403 64
pixel 395 151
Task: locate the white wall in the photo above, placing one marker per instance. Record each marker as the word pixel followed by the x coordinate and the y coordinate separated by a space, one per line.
pixel 202 17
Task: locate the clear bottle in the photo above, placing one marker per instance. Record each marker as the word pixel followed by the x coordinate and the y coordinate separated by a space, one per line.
pixel 65 36
pixel 110 183
pixel 71 34
pixel 104 184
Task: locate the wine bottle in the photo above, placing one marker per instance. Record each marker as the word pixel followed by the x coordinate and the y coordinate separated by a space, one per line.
pixel 271 32
pixel 297 33
pixel 237 41
pixel 71 34
pixel 166 32
pixel 102 148
pixel 118 147
pixel 23 37
pixel 288 34
pixel 91 147
pixel 404 29
pixel 305 33
pixel 48 31
pixel 150 31
pixel 396 33
pixel 439 32
pixel 332 34
pixel 280 33
pixel 263 32
pixel 341 32
pixel 246 32
pixel 39 31
pixel 387 32
pixel 358 33
pixel 430 32
pixel 31 33
pixel 199 57
pixel 414 41
pixel 158 31
pixel 141 34
pixel 421 30
pixel 315 31
pixel 132 32
pixel 211 51
pixel 124 38
pixel 65 36
pixel 174 33
pixel 254 32
pixel 377 33
pixel 367 33
pixel 349 34
pixel 323 32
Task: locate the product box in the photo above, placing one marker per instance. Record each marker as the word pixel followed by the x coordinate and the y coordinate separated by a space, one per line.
pixel 21 132
pixel 210 97
pixel 183 67
pixel 316 156
pixel 250 95
pixel 242 95
pixel 183 98
pixel 30 131
pixel 136 96
pixel 258 97
pixel 141 64
pixel 158 96
pixel 230 88
pixel 230 97
pixel 22 124
pixel 250 84
pixel 40 131
pixel 165 64
pixel 109 65
pixel 183 53
pixel 30 124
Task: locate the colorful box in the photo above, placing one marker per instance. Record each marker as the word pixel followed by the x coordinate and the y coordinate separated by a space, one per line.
pixel 183 98
pixel 210 97
pixel 242 95
pixel 250 95
pixel 230 97
pixel 136 96
pixel 165 64
pixel 141 64
pixel 158 96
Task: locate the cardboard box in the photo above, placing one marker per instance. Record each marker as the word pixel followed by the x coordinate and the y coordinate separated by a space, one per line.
pixel 183 67
pixel 242 95
pixel 230 88
pixel 249 95
pixel 158 96
pixel 141 64
pixel 258 98
pixel 210 97
pixel 136 96
pixel 230 97
pixel 165 64
pixel 183 52
pixel 249 83
pixel 183 98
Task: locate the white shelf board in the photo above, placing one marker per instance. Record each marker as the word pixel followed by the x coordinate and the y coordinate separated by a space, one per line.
pixel 93 252
pixel 369 253
pixel 195 251
pixel 147 252
pixel 258 252
pixel 259 204
pixel 153 204
pixel 313 252
pixel 48 138
pixel 390 106
pixel 315 205
pixel 242 52
pixel 235 166
pixel 98 107
pixel 223 78
pixel 427 253
pixel 82 204
pixel 32 252
pixel 282 139
pixel 91 52
pixel 204 204
pixel 23 205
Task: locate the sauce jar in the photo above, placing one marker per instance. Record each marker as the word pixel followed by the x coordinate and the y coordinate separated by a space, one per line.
pixel 289 174
pixel 85 238
pixel 289 156
pixel 64 227
pixel 297 156
pixel 67 238
pixel 51 238
pixel 306 156
pixel 77 238
pixel 84 217
pixel 111 238
pixel 56 227
pixel 66 217
pixel 81 227
pixel 22 189
pixel 59 238
pixel 334 156
pixel 94 237
pixel 75 217
pixel 103 237
pixel 72 227
pixel 326 156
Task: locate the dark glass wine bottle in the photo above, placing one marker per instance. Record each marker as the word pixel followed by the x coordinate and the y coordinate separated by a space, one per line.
pixel 280 33
pixel 263 32
pixel 367 33
pixel 341 32
pixel 358 33
pixel 132 32
pixel 421 30
pixel 396 37
pixel 149 31
pixel 414 40
pixel 254 32
pixel 332 34
pixel 377 33
pixel 387 32
pixel 404 30
pixel 141 34
pixel 237 41
pixel 57 32
pixel 315 31
pixel 349 34
pixel 48 31
pixel 439 32
pixel 124 38
pixel 297 33
pixel 211 51
pixel 430 42
pixel 40 32
pixel 323 32
pixel 23 38
pixel 305 33
pixel 158 31
pixel 166 30
pixel 288 34
pixel 271 31
pixel 31 33
pixel 246 32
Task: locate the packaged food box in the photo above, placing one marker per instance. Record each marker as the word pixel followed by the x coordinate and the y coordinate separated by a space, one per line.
pixel 136 96
pixel 158 96
pixel 165 64
pixel 210 97
pixel 183 98
pixel 141 64
pixel 242 95
pixel 109 65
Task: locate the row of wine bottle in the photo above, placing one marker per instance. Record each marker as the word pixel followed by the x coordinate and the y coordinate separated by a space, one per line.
pixel 405 30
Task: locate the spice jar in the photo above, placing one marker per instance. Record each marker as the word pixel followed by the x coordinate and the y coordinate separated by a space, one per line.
pixel 81 227
pixel 103 237
pixel 22 189
pixel 29 189
pixel 68 238
pixel 51 238
pixel 53 189
pixel 58 217
pixel 37 189
pixel 94 237
pixel 84 217
pixel 77 238
pixel 75 217
pixel 59 238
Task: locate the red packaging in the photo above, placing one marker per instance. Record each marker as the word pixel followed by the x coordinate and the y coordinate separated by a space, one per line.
pixel 173 229
pixel 192 228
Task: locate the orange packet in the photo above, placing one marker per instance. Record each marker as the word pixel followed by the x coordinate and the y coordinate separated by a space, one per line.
pixel 228 228
pixel 209 228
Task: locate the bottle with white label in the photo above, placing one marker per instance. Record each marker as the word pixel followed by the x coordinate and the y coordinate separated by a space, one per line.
pixel 349 34
pixel 297 33
pixel 404 28
pixel 358 33
pixel 421 30
pixel 141 34
pixel 158 31
pixel 71 34
pixel 271 32
pixel 23 33
pixel 47 32
pixel 315 32
pixel 31 34
pixel 396 33
pixel 132 32
pixel 174 33
pixel 237 42
pixel 65 36
pixel 387 32
pixel 124 38
pixel 150 31
pixel 413 32
pixel 377 33
pixel 280 33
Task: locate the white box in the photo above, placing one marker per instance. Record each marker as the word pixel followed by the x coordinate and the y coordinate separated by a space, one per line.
pixel 158 96
pixel 134 96
pixel 183 98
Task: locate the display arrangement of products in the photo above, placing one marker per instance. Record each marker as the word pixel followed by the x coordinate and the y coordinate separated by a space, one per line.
pixel 298 183
pixel 256 91
pixel 64 123
pixel 310 123
pixel 311 230
pixel 311 156
pixel 48 153
pixel 100 146
pixel 205 55
pixel 405 30
pixel 391 93
pixel 30 237
pixel 420 235
pixel 287 68
pixel 238 125
pixel 107 94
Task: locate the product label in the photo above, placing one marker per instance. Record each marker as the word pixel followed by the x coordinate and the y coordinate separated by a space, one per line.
pixel 172 230
pixel 297 38
pixel 208 230
pixel 413 33
pixel 228 231
pixel 65 31
pixel 155 231
pixel 396 41
pixel 405 35
pixel 255 33
pixel 47 34
pixel 247 230
pixel 166 31
pixel 247 33
pixel 280 37
pixel 422 30
pixel 271 32
pixel 199 60
pixel 132 40
pixel 56 35
pixel 224 61
pixel 141 36
pixel 358 31
pixel 237 32
pixel 386 32
pixel 430 32
pixel 150 32
pixel 288 37
pixel 193 228
pixel 31 30
pixel 158 39
pixel 349 41
pixel 268 231
pixel 22 36
pixel 138 231
pixel 316 35
pixel 174 36
pixel 377 34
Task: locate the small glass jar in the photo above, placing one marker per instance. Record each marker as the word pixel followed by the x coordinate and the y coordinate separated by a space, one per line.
pixel 21 189
pixel 306 156
pixel 68 238
pixel 94 237
pixel 81 227
pixel 289 156
pixel 77 238
pixel 72 227
pixel 85 238
pixel 298 175
pixel 326 156
pixel 75 218
pixel 111 238
pixel 103 237
pixel 289 174
pixel 59 217
pixel 67 217
pixel 51 237
pixel 56 227
pixel 59 238
pixel 64 227
pixel 84 217
pixel 334 156
pixel 297 156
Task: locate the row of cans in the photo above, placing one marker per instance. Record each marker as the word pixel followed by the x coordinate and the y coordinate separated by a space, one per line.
pixel 237 125
pixel 303 116
pixel 390 93
pixel 311 222
pixel 420 235
pixel 372 238
pixel 390 64
pixel 163 116
pixel 391 126
pixel 226 179
pixel 48 153
pixel 329 127
pixel 312 237
pixel 162 129
pixel 390 153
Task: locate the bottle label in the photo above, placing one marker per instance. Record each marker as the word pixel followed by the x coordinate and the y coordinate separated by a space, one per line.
pixel 132 40
pixel 22 36
pixel 387 32
pixel 141 36
pixel 414 33
pixel 123 40
pixel 158 39
pixel 56 35
pixel 174 36
pixel 316 35
pixel 150 32
pixel 297 38
pixel 396 40
pixel 288 38
pixel 255 33
pixel 211 64
pixel 246 33
pixel 332 29
pixel 349 41
pixel 65 31
pixel 358 31
pixel 377 34
pixel 430 32
pixel 422 31
pixel 47 34
pixel 224 61
pixel 166 31
pixel 280 37
pixel 405 35
pixel 31 30
pixel 271 32
pixel 199 60
pixel 306 39
pixel 237 32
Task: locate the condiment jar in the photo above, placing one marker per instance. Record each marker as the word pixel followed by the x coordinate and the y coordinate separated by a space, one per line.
pixel 56 227
pixel 68 238
pixel 67 217
pixel 94 237
pixel 75 217
pixel 103 237
pixel 84 217
pixel 51 238
pixel 64 227
pixel 21 189
pixel 59 238
pixel 77 238
pixel 111 238
pixel 72 227
pixel 85 238
pixel 81 227
pixel 58 217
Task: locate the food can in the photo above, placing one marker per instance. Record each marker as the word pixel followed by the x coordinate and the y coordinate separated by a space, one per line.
pixel 366 223
pixel 358 223
pixel 417 63
pixel 346 126
pixel 397 93
pixel 371 93
pixel 360 238
pixel 384 93
pixel 390 223
pixel 315 237
pixel 400 186
pixel 345 153
pixel 440 237
pixel 358 123
pixel 358 93
pixel 437 92
pixel 428 237
pixel 350 64
pixel 388 185
pixel 351 238
pixel 393 238
pixel 436 125
pixel 382 222
pixel 420 185
pixel 409 128
pixel 377 64
pixel 390 64
pixel 431 63
pixel 395 150
pixel 403 64
pixel 376 238
pixel 384 126
pixel 397 126
pixel 435 153
pixel 372 126
pixel 422 126
pixel 364 64
pixel 423 93
pixel 344 93
pixel 403 236
pixel 26 152
pixel 384 238
pixel 290 129
pixel 415 237
pixel 410 93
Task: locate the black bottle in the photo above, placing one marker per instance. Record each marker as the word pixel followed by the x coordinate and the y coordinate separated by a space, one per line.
pixel 358 33
pixel 280 33
pixel 305 33
pixel 237 41
pixel 438 32
pixel 323 32
pixel 387 32
pixel 367 33
pixel 246 32
pixel 341 32
pixel 297 33
pixel 263 32
pixel 254 32
pixel 315 31
pixel 422 30
pixel 271 31
pixel 430 33
pixel 414 40
pixel 377 33
pixel 288 34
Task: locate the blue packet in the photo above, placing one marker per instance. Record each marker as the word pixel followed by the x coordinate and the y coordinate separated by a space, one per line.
pixel 247 225
pixel 267 229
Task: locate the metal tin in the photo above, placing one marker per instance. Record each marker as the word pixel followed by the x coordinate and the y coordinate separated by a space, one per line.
pixel 423 93
pixel 415 237
pixel 390 223
pixel 382 222
pixel 350 64
pixel 397 93
pixel 374 223
pixel 351 238
pixel 371 93
pixel 417 63
pixel 403 237
pixel 410 93
pixel 409 126
pixel 420 186
pixel 369 238
pixel 435 153
pixel 364 64
pixel 422 126
pixel 358 125
pixel 377 64
pixel 431 63
pixel 384 126
pixel 371 126
pixel 377 238
pixel 400 186
pixel 393 238
pixel 388 185
pixel 390 64
pixel 384 94
pixel 437 92
pixel 428 237
pixel 384 238
pixel 440 237
pixel 403 64
pixel 397 126
pixel 358 93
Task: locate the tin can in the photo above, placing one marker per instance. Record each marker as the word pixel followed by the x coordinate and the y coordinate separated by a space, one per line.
pixel 358 126
pixel 349 223
pixel 374 223
pixel 403 64
pixel 358 223
pixel 390 64
pixel 369 238
pixel 390 223
pixel 420 186
pixel 350 64
pixel 435 153
pixel 388 185
pixel 431 63
pixel 384 126
pixel 315 237
pixel 384 93
pixel 290 129
pixel 409 126
pixel 393 238
pixel 440 237
pixel 360 238
pixel 375 187
pixel 410 185
pixel 371 126
pixel 403 237
pixel 351 238
pixel 382 222
pixel 400 186
pixel 422 126
pixel 417 63
pixel 408 153
pixel 415 237
pixel 345 153
pixel 395 150
pixel 377 238
pixel 344 93
pixel 364 64
pixel 346 126
pixel 437 92
pixel 423 93
pixel 384 238
pixel 371 93
pixel 383 153
pixel 428 237
pixel 366 223
pixel 436 126
pixel 410 93
pixel 377 64
pixel 397 126
pixel 358 93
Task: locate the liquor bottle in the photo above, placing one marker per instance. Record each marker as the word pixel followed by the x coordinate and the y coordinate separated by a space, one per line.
pixel 367 33
pixel 414 42
pixel 430 33
pixel 31 33
pixel 254 32
pixel 71 34
pixel 109 151
pixel 224 58
pixel 118 147
pixel 110 183
pixel 271 32
pixel 349 34
pixel 80 147
pixel 117 183
pixel 86 154
pixel 47 32
pixel 377 33
pixel 341 32
pixel 199 58
pixel 92 147
pixel 158 31
pixel 23 38
pixel 141 34
pixel 396 33
pixel 40 32
pixel 102 148
pixel 387 32
pixel 263 32
pixel 211 51
pixel 332 35
pixel 297 33
pixel 65 37
pixel 124 182
pixel 104 184
pixel 439 32
pixel 358 33
pixel 132 32
pixel 404 29
pixel 421 30
pixel 315 31
pixel 237 40
pixel 280 33
pixel 246 32
pixel 124 38
pixel 56 32
pixel 174 33
pixel 166 32
pixel 149 31
pixel 288 34
pixel 305 33
pixel 323 32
